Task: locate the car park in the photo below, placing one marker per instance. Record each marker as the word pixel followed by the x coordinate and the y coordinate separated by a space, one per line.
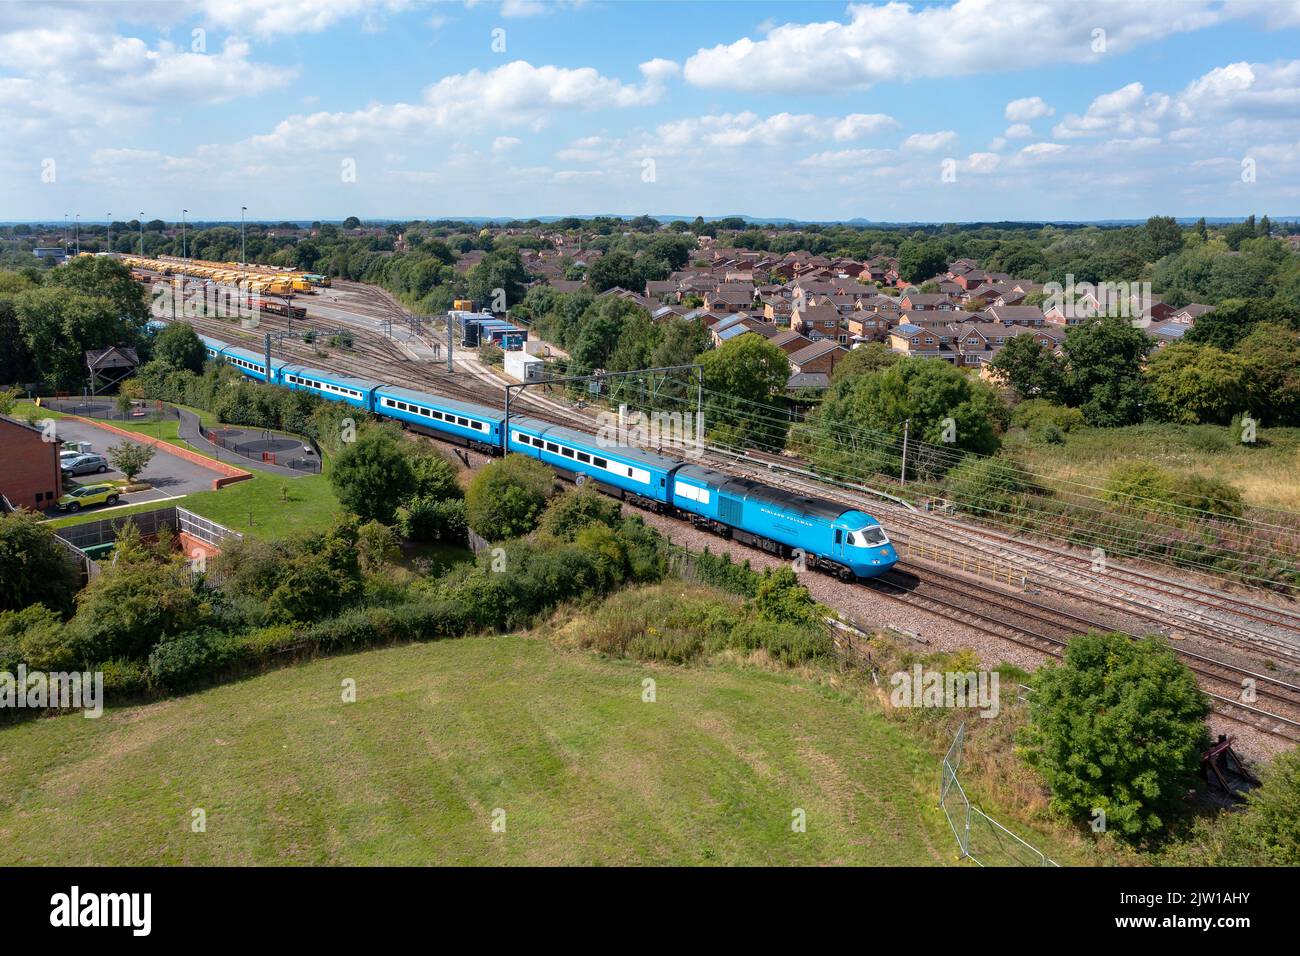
pixel 83 465
pixel 85 495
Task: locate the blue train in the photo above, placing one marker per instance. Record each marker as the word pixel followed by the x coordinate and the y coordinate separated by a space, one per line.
pixel 841 540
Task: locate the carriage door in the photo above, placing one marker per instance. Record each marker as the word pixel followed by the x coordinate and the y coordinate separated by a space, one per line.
pixel 837 543
pixel 729 510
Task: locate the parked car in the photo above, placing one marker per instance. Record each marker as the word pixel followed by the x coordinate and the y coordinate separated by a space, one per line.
pixel 83 495
pixel 84 465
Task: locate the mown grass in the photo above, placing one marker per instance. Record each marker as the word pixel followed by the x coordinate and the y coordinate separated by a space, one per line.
pixel 1265 472
pixel 264 506
pixel 442 735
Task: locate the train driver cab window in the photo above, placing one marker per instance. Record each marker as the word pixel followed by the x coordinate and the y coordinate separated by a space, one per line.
pixel 839 536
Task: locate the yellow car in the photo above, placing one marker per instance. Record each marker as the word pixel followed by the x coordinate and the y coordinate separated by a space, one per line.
pixel 84 495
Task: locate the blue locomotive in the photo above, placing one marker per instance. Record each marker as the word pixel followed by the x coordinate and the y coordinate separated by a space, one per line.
pixel 828 535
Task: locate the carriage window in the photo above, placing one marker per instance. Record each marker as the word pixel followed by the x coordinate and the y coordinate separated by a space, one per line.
pixel 584 458
pixel 552 447
pixel 600 462
pixel 567 452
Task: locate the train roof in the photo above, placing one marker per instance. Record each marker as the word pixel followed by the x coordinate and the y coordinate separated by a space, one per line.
pixel 257 358
pixel 437 401
pixel 588 442
pixel 213 343
pixel 749 489
pixel 352 381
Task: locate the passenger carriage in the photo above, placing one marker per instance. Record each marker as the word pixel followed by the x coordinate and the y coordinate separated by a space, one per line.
pixel 472 425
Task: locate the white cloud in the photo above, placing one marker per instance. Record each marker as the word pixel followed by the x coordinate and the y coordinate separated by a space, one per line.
pixel 982 162
pixel 929 142
pixel 730 130
pixel 1028 109
pixel 514 94
pixel 503 144
pixel 899 41
pixel 848 158
pixel 1044 149
pixel 269 18
pixel 1019 131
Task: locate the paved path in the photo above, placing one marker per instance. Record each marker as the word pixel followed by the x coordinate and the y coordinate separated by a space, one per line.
pixel 189 431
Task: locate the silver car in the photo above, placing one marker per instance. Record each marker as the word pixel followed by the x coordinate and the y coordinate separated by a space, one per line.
pixel 84 465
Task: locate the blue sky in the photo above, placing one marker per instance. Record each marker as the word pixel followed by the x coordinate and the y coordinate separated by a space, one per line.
pixel 976 109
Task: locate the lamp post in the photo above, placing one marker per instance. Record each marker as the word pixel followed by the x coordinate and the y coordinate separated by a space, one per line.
pixel 183 212
pixel 243 252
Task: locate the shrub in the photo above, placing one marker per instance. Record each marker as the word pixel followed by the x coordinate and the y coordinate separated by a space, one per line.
pixel 788 643
pixel 1042 420
pixel 1140 486
pixel 783 599
pixel 570 512
pixel 373 475
pixel 424 519
pixel 35 636
pixel 376 545
pixel 1117 725
pixel 1213 495
pixel 184 661
pixel 990 484
pixel 507 497
pixel 34 569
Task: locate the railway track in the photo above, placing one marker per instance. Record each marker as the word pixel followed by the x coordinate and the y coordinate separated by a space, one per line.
pixel 1046 629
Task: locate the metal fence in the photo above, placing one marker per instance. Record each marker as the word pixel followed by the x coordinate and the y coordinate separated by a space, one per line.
pixel 980 838
pixel 76 539
pixel 276 448
pixel 104 408
pixel 206 531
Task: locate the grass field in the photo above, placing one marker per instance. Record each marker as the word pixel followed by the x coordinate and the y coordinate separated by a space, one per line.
pixel 411 773
pixel 1265 472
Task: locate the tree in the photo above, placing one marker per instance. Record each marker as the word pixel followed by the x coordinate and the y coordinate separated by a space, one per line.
pixel 132 606
pixel 498 281
pixel 372 475
pixel 34 569
pixel 1234 319
pixel 865 358
pixel 744 382
pixel 862 418
pixel 180 347
pixel 1190 384
pixel 574 510
pixel 1160 237
pixel 1105 357
pixel 918 261
pixel 1272 378
pixel 1031 368
pixel 1117 726
pixel 434 477
pixel 130 457
pixel 507 497
pixel 614 270
pixel 352 222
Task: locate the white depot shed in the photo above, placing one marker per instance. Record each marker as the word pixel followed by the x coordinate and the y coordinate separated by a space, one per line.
pixel 524 367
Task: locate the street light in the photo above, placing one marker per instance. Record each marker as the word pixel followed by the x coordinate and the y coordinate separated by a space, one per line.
pixel 183 212
pixel 243 252
pixel 141 235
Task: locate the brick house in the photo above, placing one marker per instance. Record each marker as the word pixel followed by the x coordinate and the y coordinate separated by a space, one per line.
pixel 817 357
pixel 30 477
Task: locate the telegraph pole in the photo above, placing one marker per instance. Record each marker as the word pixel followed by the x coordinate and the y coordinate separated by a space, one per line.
pixel 902 475
pixel 451 325
pixel 243 251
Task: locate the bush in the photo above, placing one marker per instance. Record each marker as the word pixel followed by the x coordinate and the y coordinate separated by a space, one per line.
pixel 788 643
pixel 35 636
pixel 373 475
pixel 574 510
pixel 185 661
pixel 990 484
pixel 424 519
pixel 1119 726
pixel 724 574
pixel 132 606
pixel 781 598
pixel 1212 495
pixel 1043 421
pixel 34 568
pixel 507 497
pixel 376 545
pixel 1140 486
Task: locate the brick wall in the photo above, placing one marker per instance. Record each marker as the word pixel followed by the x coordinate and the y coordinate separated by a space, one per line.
pixel 29 466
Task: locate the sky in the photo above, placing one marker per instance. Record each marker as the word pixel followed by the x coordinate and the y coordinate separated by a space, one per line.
pixel 957 111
